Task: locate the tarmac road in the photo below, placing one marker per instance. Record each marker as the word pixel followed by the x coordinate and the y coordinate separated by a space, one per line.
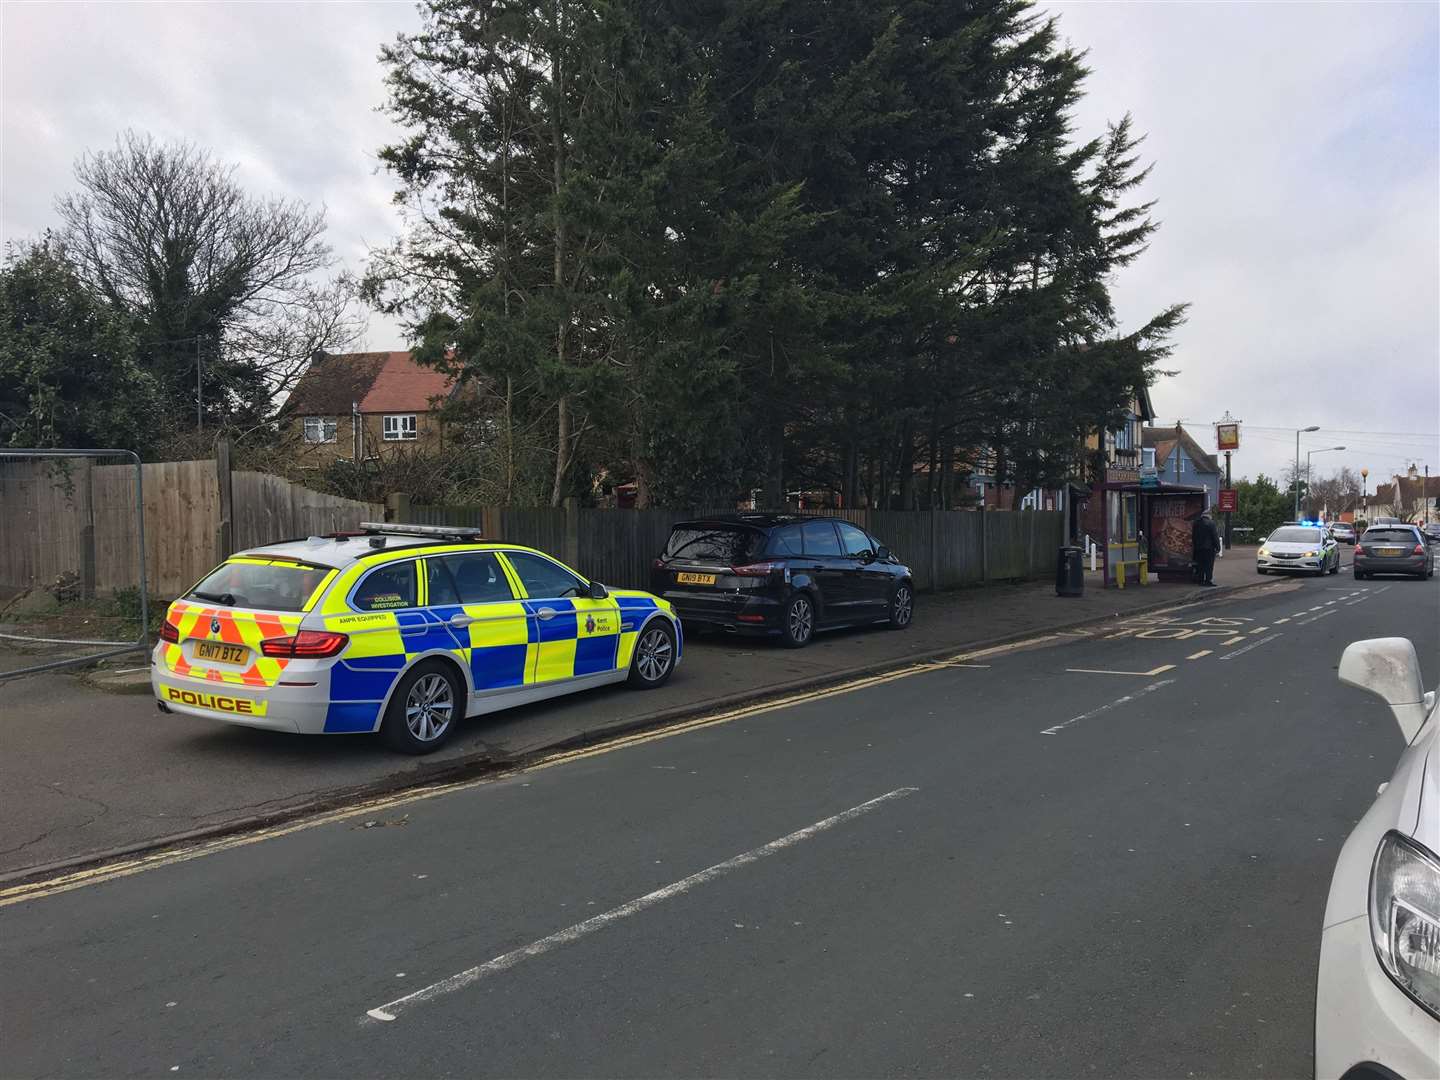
pixel 1093 856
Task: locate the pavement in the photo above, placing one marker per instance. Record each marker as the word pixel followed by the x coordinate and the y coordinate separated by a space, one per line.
pixel 1104 854
pixel 93 774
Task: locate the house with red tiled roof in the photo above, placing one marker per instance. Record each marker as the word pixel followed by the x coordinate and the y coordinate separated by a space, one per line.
pixel 363 405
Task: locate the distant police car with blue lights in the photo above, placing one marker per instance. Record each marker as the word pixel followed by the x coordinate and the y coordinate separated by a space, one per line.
pixel 401 629
pixel 1299 545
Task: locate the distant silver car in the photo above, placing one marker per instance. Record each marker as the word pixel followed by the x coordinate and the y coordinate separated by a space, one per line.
pixel 1343 531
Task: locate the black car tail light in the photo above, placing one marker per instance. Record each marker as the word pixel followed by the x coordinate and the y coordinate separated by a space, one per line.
pixel 759 569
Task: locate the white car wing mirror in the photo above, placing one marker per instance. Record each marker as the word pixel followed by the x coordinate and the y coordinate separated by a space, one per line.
pixel 1389 669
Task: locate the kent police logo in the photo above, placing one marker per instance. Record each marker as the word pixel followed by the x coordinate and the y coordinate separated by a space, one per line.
pixel 589 624
pixel 214 625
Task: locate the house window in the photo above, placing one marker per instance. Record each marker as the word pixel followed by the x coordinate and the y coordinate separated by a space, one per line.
pixel 1147 457
pixel 319 429
pixel 1125 438
pixel 396 426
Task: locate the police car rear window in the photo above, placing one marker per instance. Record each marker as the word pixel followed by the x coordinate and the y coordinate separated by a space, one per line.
pixel 267 586
pixel 1295 536
pixel 731 545
pixel 387 588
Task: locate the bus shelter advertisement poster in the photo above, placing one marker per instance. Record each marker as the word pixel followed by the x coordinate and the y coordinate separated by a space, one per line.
pixel 1171 517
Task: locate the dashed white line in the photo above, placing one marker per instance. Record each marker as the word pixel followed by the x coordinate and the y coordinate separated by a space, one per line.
pixel 1287 618
pixel 1106 708
pixel 391 1009
pixel 1198 655
pixel 1253 645
pixel 1315 618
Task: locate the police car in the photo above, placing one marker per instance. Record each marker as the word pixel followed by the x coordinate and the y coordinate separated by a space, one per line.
pixel 401 629
pixel 1299 545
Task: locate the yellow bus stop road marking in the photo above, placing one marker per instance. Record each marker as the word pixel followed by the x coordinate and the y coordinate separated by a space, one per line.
pixel 1098 671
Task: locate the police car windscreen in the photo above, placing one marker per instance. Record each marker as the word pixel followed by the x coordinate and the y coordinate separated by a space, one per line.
pixel 730 545
pixel 1295 536
pixel 269 586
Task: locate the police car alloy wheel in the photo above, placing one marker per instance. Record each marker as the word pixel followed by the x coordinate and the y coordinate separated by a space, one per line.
pixel 654 656
pixel 902 608
pixel 424 709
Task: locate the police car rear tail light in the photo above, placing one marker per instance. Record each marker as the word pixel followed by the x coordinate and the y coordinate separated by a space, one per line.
pixel 307 644
pixel 170 632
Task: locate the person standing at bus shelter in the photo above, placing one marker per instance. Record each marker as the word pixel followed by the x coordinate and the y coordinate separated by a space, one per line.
pixel 1205 542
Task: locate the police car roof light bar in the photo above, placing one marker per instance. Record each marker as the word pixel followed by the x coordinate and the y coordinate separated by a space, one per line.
pixel 459 533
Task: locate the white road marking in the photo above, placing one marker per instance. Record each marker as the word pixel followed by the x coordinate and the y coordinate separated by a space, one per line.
pixel 1253 645
pixel 1198 655
pixel 1285 619
pixel 391 1009
pixel 1106 708
pixel 1259 629
pixel 1103 671
pixel 1233 640
pixel 1314 618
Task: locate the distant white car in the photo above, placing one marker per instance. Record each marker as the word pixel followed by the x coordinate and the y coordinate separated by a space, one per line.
pixel 1377 1000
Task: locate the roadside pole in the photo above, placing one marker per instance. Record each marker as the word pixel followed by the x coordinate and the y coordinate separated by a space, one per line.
pixel 1229 514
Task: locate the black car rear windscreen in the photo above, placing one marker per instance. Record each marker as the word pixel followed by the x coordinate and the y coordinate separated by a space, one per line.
pixel 727 544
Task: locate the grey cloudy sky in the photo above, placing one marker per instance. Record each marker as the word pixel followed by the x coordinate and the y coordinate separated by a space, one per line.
pixel 1296 150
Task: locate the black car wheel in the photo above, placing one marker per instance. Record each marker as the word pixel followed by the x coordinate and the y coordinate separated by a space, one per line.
pixel 797 622
pixel 902 607
pixel 425 709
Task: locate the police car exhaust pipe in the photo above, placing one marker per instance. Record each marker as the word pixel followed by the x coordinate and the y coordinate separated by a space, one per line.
pixel 162 706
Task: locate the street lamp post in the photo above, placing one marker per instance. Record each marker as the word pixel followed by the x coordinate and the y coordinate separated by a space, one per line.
pixel 1312 427
pixel 1326 450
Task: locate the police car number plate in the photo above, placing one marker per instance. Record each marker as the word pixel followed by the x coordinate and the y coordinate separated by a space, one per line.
pixel 695 579
pixel 225 654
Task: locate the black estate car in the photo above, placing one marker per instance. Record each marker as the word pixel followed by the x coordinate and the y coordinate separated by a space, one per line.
pixel 781 574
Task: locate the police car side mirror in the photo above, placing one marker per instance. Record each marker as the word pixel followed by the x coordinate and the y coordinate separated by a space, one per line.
pixel 1389 669
pixel 597 591
pixel 882 553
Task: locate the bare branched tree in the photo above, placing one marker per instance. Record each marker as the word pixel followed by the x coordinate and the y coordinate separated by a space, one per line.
pixel 210 275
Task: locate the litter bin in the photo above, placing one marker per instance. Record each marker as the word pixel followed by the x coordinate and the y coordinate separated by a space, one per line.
pixel 1070 572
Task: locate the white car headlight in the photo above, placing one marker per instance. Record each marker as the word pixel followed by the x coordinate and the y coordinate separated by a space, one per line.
pixel 1311 554
pixel 1405 917
pixel 1264 554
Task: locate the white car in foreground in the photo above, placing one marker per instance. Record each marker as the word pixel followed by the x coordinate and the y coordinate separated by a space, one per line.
pixel 1377 1001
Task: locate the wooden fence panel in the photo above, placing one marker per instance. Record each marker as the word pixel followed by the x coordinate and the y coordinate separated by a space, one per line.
pixel 907 534
pixel 40 511
pixel 960 559
pixel 541 527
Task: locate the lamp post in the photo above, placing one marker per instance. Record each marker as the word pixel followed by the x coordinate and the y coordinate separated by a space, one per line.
pixel 1364 494
pixel 1312 427
pixel 1326 450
